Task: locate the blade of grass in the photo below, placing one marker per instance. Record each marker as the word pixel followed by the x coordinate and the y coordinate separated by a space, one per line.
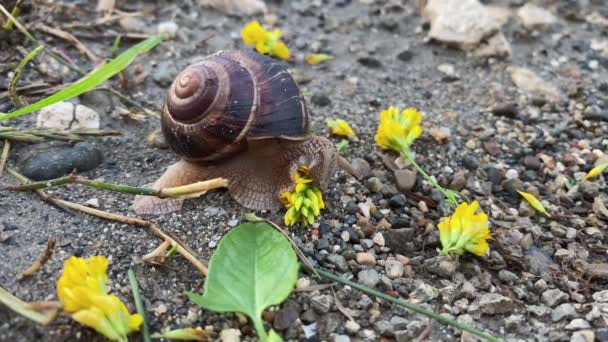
pixel 139 305
pixel 12 85
pixel 28 310
pixel 91 80
pixel 409 306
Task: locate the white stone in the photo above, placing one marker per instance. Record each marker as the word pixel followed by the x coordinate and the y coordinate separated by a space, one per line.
pixel 230 335
pixel 168 28
pixel 66 115
pixel 394 269
pixel 533 85
pixel 535 18
pixel 247 7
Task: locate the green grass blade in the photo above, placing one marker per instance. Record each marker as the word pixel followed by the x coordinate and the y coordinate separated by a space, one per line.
pixel 91 80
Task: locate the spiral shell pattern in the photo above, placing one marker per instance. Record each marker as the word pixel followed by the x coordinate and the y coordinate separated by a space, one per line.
pixel 218 104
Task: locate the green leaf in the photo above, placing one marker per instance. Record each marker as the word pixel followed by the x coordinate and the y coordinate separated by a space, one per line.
pixel 273 336
pixel 91 80
pixel 253 268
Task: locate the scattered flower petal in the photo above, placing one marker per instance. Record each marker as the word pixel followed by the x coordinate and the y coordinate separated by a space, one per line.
pixel 186 334
pixel 596 171
pixel 340 127
pixel 534 202
pixel 317 58
pixel 265 42
pixel 465 231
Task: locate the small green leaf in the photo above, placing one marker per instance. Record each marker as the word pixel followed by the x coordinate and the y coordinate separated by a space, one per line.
pixel 91 80
pixel 253 268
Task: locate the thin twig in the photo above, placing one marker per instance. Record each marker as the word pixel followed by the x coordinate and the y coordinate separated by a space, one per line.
pixel 139 305
pixel 157 253
pixel 4 156
pixel 23 30
pixel 71 39
pixel 130 101
pixel 194 188
pixel 182 248
pixel 43 259
pixel 38 135
pixel 12 86
pixel 400 302
pixel 101 21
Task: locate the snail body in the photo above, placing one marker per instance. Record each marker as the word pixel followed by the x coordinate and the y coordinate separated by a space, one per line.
pixel 240 116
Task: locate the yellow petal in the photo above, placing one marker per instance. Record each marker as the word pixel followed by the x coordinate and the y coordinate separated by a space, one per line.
pixel 317 58
pixel 534 202
pixel 280 50
pixel 340 127
pixel 253 33
pixel 94 318
pixel 596 171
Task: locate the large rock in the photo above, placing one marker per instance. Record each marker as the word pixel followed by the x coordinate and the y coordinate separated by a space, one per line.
pixel 468 25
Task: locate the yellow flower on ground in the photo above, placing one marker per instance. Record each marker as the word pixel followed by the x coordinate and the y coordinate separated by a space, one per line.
pixel 304 204
pixel 109 316
pixel 340 127
pixel 82 291
pixel 80 278
pixel 534 202
pixel 398 130
pixel 265 42
pixel 465 231
pixel 596 171
pixel 317 58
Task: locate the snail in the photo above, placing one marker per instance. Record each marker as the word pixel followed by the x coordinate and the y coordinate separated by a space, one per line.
pixel 241 116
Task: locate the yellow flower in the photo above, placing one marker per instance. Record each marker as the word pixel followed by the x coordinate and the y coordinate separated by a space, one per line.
pixel 82 291
pixel 317 58
pixel 109 316
pixel 80 278
pixel 304 204
pixel 596 171
pixel 465 231
pixel 265 42
pixel 253 32
pixel 534 202
pixel 397 131
pixel 340 127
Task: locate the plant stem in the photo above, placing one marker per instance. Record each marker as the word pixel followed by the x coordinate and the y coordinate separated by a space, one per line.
pixel 259 327
pixel 128 189
pixel 4 156
pixel 410 306
pixel 448 194
pixel 139 305
pixel 12 85
pixel 182 248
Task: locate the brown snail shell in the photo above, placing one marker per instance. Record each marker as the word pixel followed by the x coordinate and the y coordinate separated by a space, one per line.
pixel 214 107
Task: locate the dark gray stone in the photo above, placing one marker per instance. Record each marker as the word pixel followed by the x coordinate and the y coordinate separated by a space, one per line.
pixel 61 160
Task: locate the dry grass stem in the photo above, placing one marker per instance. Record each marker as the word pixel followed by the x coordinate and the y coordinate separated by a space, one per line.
pixel 182 248
pixel 71 39
pixel 158 254
pixel 4 156
pixel 12 85
pixel 42 260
